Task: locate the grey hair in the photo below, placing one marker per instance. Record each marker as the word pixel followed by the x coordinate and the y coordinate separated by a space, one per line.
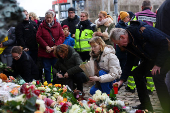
pixel 49 12
pixel 116 32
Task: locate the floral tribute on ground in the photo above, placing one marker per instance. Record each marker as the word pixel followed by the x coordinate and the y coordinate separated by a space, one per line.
pixel 36 97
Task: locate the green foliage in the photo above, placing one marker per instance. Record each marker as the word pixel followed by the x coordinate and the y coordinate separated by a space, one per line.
pixel 4 67
pixel 112 96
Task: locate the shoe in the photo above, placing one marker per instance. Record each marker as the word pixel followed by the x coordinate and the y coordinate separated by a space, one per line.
pixel 129 90
pixel 140 107
pixel 127 87
pixel 150 92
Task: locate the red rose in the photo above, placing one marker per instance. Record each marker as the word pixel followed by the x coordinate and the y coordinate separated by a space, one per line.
pixel 139 111
pixel 48 110
pixel 37 82
pixel 37 92
pixel 64 107
pixel 116 110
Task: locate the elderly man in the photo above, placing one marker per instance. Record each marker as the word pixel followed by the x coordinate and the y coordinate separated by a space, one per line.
pixel 151 46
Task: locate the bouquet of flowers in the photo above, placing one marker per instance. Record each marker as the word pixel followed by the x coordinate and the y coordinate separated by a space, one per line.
pixel 88 68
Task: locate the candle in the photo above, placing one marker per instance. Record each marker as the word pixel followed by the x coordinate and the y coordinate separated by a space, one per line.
pixel 115 87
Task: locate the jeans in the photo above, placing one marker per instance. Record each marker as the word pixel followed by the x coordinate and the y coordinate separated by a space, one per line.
pixel 105 87
pixel 48 62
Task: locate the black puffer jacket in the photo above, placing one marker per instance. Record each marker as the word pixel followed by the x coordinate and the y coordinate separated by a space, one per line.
pixel 25 67
pixel 71 23
pixel 69 64
pixel 26 34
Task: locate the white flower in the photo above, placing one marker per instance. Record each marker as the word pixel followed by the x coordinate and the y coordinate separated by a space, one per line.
pixel 75 108
pixel 18 107
pixel 87 108
pixel 53 98
pixel 34 82
pixel 54 89
pixel 47 90
pixel 42 105
pixel 48 94
pixel 0 80
pixel 104 96
pixel 98 92
pixel 41 88
pixel 18 98
pixel 56 94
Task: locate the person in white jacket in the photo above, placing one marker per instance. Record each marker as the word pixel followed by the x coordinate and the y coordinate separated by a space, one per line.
pixel 106 63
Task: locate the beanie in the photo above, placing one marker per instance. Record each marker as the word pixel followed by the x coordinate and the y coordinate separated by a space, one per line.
pixel 131 14
pixel 123 14
pixel 65 26
pixel 71 9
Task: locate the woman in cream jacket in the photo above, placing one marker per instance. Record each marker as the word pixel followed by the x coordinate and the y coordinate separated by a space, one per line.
pixel 107 67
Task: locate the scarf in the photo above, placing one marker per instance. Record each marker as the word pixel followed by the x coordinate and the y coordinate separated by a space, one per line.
pixel 102 22
pixel 97 58
pixel 50 24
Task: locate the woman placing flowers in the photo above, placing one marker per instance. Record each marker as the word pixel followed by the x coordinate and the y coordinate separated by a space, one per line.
pixel 107 67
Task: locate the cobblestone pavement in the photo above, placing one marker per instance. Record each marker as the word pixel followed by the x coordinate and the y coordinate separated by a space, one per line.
pixel 128 97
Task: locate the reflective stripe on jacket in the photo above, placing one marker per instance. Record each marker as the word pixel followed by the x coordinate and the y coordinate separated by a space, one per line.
pixel 82 40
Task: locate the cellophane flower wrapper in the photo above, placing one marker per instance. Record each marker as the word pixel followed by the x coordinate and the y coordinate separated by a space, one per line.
pixel 88 68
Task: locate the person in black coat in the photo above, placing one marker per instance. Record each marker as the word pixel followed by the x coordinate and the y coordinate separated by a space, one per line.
pixel 71 21
pixel 163 24
pixel 26 36
pixel 152 47
pixel 23 64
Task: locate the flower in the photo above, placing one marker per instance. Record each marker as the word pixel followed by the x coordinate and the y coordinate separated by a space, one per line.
pixel 75 108
pixel 57 85
pixel 42 104
pixel 110 111
pixel 98 92
pixel 18 98
pixel 64 107
pixel 45 83
pixel 34 82
pixel 41 88
pixel 47 90
pixel 54 89
pixel 3 76
pixel 139 111
pixel 116 109
pixel 37 82
pixel 98 109
pixel 59 99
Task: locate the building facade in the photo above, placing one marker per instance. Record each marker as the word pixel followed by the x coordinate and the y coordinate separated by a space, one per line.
pixel 94 6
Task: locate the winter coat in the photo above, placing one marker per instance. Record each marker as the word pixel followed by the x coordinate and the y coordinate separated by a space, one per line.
pixel 70 64
pixel 146 43
pixel 25 67
pixel 69 41
pixel 71 23
pixel 10 42
pixel 119 53
pixel 163 17
pixel 105 29
pixel 110 63
pixel 146 16
pixel 26 34
pixel 44 38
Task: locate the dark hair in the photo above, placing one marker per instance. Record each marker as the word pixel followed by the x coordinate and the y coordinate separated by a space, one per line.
pixel 146 3
pixel 71 9
pixel 62 48
pixel 17 49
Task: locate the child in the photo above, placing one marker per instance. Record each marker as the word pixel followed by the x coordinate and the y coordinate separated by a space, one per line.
pixel 68 39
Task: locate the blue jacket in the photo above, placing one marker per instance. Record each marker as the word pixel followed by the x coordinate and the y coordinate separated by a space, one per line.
pixel 148 44
pixel 69 41
pixel 121 24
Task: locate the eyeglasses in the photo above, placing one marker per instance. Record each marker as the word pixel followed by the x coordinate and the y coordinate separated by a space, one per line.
pixel 17 56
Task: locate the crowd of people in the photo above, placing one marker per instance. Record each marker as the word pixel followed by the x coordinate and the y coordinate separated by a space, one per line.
pixel 133 50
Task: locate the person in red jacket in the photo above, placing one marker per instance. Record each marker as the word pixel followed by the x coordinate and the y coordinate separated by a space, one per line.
pixel 49 35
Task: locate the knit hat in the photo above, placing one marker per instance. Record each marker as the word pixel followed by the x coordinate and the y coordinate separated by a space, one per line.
pixel 131 14
pixel 71 9
pixel 65 26
pixel 123 14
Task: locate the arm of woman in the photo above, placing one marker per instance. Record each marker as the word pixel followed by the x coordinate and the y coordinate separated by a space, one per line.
pixel 76 68
pixel 61 38
pixel 114 69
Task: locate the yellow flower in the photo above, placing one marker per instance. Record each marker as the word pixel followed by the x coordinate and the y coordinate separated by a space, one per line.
pixel 57 85
pixel 60 89
pixel 99 109
pixel 50 84
pixel 45 83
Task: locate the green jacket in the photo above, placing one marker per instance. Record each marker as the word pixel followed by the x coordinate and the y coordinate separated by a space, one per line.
pixel 70 64
pixel 103 28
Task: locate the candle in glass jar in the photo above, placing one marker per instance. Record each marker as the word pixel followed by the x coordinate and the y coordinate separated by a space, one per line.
pixel 115 87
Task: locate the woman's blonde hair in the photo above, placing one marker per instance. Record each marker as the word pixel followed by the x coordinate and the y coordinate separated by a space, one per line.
pixel 86 14
pixel 33 15
pixel 104 13
pixel 98 40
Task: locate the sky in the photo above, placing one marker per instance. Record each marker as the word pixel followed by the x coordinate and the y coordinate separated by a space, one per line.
pixel 37 6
